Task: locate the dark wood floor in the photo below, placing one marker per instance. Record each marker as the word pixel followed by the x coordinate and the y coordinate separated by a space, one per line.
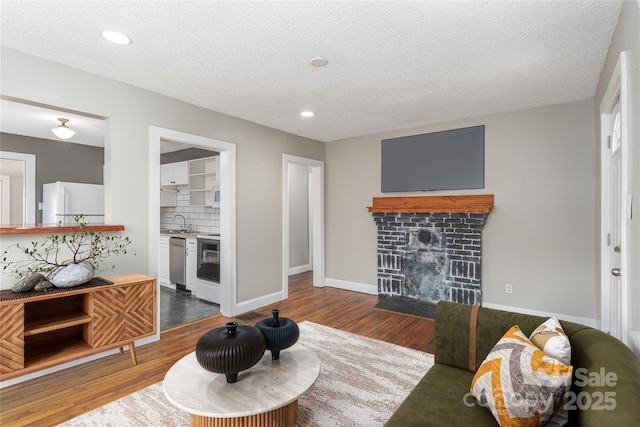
pixel 63 395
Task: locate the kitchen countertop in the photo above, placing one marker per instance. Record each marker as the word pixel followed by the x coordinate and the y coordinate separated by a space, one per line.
pixel 181 235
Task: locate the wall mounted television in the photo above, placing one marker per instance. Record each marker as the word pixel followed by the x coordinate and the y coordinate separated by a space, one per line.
pixel 447 160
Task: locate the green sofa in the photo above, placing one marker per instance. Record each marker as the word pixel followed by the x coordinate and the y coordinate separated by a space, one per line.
pixel 441 399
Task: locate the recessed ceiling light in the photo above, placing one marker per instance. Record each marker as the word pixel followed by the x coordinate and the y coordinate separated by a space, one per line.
pixel 307 114
pixel 116 37
pixel 318 62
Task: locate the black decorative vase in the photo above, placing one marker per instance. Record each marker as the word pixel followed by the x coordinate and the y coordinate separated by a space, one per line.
pixel 230 349
pixel 279 332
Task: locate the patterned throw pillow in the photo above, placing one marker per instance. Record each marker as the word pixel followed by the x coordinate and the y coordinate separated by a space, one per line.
pixel 519 383
pixel 552 340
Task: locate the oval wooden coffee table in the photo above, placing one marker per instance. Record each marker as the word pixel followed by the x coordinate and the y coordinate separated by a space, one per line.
pixel 265 394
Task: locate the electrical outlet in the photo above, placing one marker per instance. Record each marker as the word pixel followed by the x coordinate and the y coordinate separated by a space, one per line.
pixel 508 288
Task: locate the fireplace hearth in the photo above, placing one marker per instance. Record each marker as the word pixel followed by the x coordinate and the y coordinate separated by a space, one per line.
pixel 430 248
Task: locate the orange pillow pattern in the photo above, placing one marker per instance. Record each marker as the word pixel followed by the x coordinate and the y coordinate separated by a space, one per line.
pixel 519 383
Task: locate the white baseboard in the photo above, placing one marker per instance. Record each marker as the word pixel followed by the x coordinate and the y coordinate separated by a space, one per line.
pixel 352 286
pixel 576 319
pixel 252 304
pixel 299 269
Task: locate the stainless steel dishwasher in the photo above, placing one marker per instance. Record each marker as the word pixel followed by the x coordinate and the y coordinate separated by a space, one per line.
pixel 177 263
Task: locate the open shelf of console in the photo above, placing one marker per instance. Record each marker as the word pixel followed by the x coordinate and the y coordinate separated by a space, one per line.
pixel 45 330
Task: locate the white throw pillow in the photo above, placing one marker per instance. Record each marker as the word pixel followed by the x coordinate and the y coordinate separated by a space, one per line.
pixel 552 340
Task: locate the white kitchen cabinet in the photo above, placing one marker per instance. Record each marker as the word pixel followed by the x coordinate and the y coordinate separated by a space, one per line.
pixel 163 261
pixel 168 197
pixel 203 177
pixel 192 265
pixel 174 174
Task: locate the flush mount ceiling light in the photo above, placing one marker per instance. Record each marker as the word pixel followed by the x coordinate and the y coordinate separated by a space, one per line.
pixel 116 37
pixel 62 131
pixel 307 114
pixel 318 62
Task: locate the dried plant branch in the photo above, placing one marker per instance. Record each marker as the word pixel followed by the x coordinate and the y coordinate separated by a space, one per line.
pixel 82 245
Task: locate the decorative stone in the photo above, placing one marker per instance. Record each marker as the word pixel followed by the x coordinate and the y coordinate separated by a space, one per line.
pixel 71 275
pixel 27 282
pixel 230 349
pixel 43 285
pixel 279 333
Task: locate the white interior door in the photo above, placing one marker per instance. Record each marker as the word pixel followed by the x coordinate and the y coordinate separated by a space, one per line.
pixel 615 119
pixel 617 305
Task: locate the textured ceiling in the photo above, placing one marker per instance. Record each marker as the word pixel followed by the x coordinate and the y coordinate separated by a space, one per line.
pixel 392 65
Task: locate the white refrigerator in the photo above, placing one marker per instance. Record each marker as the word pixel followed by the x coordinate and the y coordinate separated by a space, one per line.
pixel 62 201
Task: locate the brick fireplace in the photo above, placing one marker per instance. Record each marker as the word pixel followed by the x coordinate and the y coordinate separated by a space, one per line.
pixel 430 248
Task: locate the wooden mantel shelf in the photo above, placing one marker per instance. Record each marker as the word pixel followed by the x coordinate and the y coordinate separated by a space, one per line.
pixel 50 229
pixel 481 203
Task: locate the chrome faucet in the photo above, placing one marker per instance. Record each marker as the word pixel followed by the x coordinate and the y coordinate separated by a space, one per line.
pixel 184 221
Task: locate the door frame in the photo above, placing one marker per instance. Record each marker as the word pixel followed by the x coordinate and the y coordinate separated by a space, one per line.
pixel 316 197
pixel 228 273
pixel 5 195
pixel 618 88
pixel 28 185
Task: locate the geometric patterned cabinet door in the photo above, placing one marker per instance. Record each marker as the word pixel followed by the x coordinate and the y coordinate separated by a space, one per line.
pixel 122 313
pixel 11 338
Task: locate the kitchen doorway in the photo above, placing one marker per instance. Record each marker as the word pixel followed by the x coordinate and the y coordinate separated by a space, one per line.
pixel 179 308
pixel 227 207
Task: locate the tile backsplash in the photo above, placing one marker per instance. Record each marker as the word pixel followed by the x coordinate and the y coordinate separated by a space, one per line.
pixel 202 219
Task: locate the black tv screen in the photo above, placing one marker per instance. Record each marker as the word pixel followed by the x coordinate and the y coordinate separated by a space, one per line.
pixel 447 160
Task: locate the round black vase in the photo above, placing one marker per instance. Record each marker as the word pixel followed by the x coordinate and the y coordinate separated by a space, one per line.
pixel 279 333
pixel 230 349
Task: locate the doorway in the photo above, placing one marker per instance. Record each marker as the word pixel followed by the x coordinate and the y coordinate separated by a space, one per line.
pixel 18 188
pixel 227 206
pixel 315 248
pixel 615 209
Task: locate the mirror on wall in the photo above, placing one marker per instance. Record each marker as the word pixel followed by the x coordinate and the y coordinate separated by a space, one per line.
pixel 32 156
pixel 17 188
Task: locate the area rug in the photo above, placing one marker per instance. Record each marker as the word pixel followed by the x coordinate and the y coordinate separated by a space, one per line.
pixel 405 305
pixel 362 381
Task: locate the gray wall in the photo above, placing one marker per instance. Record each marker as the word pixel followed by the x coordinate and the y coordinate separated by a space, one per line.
pixel 539 164
pixel 130 112
pixel 626 38
pixel 57 161
pixel 298 215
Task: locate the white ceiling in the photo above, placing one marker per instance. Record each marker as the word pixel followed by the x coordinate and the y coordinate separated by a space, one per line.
pixel 37 121
pixel 392 64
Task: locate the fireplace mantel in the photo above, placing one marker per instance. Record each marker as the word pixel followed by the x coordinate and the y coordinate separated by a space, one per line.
pixel 481 203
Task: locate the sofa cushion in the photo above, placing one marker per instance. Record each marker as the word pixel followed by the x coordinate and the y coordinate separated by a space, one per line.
pixel 441 398
pixel 452 331
pixel 519 383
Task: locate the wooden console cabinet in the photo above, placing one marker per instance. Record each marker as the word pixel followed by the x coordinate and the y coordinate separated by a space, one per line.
pixel 45 330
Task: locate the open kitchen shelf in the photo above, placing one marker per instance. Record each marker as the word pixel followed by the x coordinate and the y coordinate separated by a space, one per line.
pixel 203 175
